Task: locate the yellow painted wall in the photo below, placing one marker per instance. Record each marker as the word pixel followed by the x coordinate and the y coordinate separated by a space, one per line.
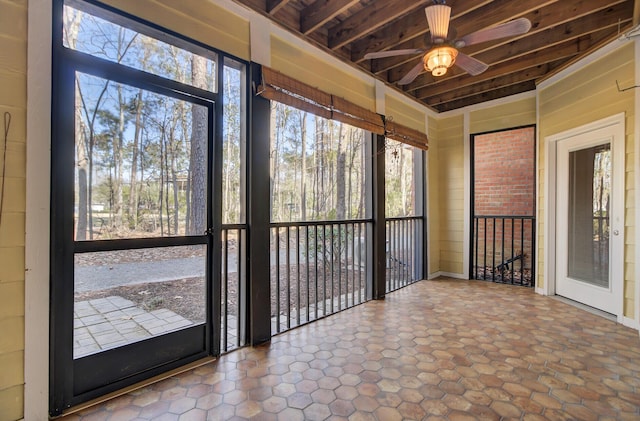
pixel 13 99
pixel 583 97
pixel 503 116
pixel 450 182
pixel 405 113
pixel 197 19
pixel 303 65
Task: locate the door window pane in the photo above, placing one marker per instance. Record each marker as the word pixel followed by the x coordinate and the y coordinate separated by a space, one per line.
pixel 126 296
pixel 589 195
pixel 90 34
pixel 140 162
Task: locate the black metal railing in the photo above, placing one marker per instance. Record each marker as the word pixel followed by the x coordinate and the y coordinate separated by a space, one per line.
pixel 232 328
pixel 403 251
pixel 503 249
pixel 317 269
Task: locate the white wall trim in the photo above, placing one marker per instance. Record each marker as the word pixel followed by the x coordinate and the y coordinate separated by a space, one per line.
pixel 36 353
pixel 550 197
pixel 466 200
pixel 580 64
pixel 434 275
pixel 539 143
pixel 260 41
pixel 453 275
pixel 427 202
pixel 636 153
pixel 549 242
pixel 633 324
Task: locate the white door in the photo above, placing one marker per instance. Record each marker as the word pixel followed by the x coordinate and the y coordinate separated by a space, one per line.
pixel 590 221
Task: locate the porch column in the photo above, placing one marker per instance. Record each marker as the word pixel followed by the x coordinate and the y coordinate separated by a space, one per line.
pixel 379 223
pixel 259 299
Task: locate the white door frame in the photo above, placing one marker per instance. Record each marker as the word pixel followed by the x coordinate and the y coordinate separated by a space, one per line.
pixel 617 125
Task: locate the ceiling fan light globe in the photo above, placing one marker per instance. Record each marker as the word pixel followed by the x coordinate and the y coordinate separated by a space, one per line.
pixel 438 17
pixel 438 60
pixel 439 71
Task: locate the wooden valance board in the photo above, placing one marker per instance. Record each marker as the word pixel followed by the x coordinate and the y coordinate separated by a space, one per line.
pixel 286 90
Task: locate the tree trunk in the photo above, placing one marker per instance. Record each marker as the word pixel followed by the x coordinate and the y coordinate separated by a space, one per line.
pixel 161 189
pixel 174 179
pixel 403 187
pixel 118 144
pixel 133 190
pixel 198 158
pixel 303 167
pixel 340 177
pixel 72 25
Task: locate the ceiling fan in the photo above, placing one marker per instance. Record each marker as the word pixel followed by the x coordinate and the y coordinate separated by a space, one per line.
pixel 442 52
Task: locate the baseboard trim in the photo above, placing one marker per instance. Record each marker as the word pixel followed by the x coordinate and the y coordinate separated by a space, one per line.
pixel 453 275
pixel 633 324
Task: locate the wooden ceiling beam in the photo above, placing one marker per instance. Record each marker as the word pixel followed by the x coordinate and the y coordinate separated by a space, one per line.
pixel 531 73
pixel 322 11
pixel 369 19
pixel 502 92
pixel 565 50
pixel 552 33
pixel 274 6
pixel 498 11
pixel 594 46
pixel 406 28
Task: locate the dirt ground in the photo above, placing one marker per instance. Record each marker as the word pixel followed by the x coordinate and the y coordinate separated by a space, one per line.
pixel 187 296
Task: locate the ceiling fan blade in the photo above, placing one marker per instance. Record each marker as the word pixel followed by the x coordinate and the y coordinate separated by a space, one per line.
pixel 509 29
pixel 393 53
pixel 470 65
pixel 412 75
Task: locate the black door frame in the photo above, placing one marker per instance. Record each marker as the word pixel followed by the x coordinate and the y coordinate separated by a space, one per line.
pixel 76 381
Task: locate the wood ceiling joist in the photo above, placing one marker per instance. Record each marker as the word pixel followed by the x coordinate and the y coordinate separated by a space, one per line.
pixel 498 11
pixel 488 96
pixel 406 28
pixel 322 11
pixel 563 31
pixel 532 73
pixel 274 6
pixel 554 31
pixel 370 19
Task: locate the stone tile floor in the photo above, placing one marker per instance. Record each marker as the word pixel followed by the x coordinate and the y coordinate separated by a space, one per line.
pixel 109 322
pixel 444 349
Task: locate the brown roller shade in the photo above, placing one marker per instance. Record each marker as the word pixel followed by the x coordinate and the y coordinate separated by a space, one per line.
pixel 406 135
pixel 286 90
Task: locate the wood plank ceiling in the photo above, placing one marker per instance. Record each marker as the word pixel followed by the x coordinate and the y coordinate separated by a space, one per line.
pixel 562 32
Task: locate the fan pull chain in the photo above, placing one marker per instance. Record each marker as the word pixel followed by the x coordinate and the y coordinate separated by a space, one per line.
pixel 7 125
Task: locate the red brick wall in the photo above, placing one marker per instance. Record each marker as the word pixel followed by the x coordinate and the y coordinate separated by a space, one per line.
pixel 504 173
pixel 504 184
